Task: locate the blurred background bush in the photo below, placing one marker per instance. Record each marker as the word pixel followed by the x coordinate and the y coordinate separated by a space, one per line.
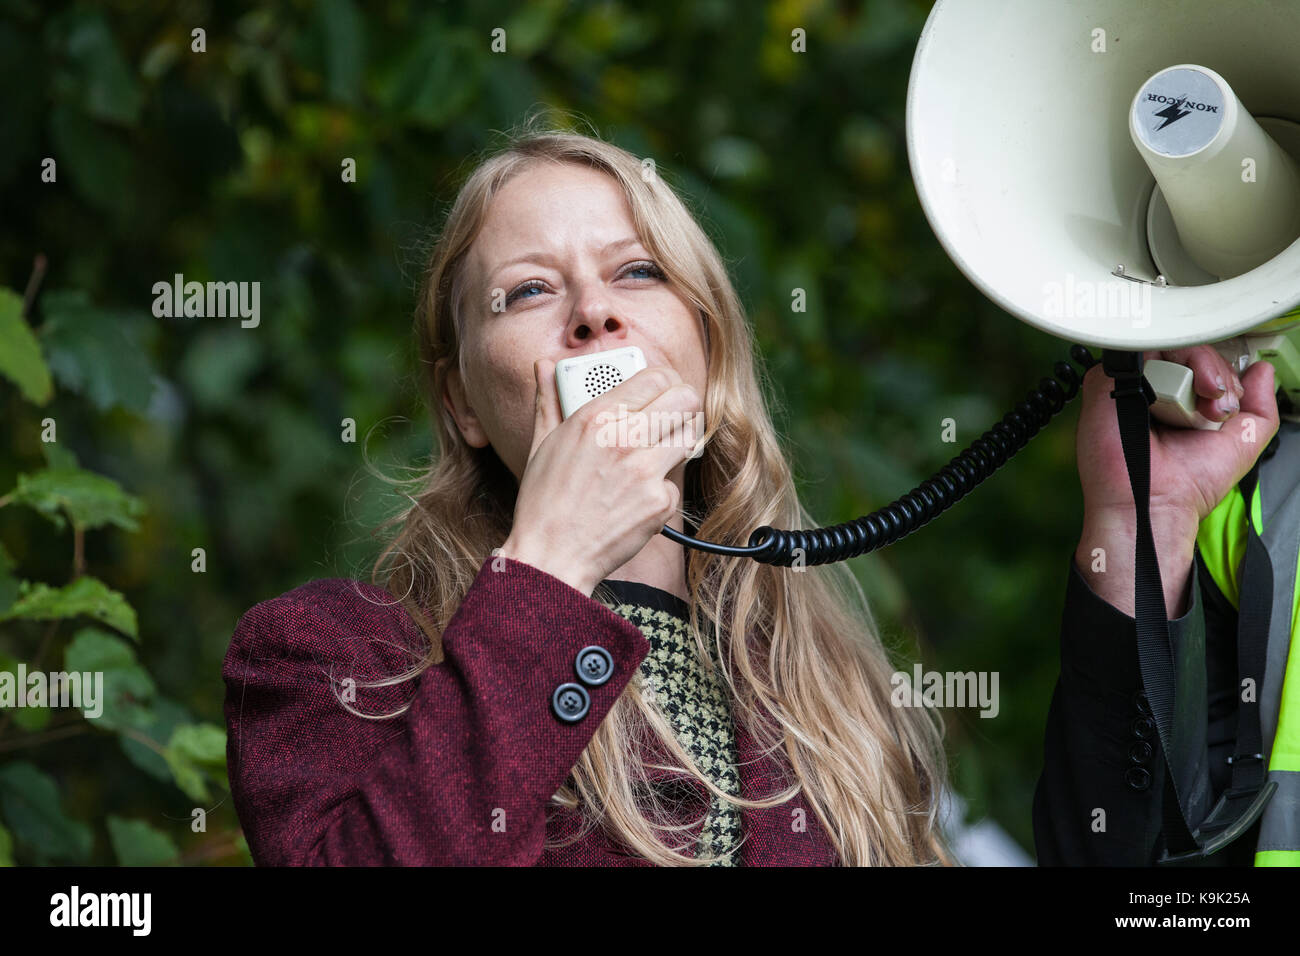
pixel 176 434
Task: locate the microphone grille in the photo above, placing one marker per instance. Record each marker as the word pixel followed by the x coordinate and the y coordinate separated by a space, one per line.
pixel 601 378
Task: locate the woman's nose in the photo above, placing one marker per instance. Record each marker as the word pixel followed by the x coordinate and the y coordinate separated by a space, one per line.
pixel 593 316
pixel 586 326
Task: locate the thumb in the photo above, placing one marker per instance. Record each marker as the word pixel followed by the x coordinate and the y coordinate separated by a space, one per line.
pixel 1259 418
pixel 546 403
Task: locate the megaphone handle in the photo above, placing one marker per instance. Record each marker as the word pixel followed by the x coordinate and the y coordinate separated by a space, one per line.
pixel 1175 402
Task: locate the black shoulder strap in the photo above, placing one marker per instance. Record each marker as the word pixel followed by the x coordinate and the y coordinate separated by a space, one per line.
pixel 1244 800
pixel 1248 793
pixel 1253 617
pixel 1133 396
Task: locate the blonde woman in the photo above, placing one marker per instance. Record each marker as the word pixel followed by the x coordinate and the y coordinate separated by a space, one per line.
pixel 537 676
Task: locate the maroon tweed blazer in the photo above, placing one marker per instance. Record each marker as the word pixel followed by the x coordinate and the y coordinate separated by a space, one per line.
pixel 465 776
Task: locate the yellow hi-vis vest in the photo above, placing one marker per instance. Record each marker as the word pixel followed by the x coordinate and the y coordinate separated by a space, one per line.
pixel 1274 511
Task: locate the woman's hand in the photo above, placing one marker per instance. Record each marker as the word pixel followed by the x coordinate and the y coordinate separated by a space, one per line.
pixel 588 503
pixel 1191 470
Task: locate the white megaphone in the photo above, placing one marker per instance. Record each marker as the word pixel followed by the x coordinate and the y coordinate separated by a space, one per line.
pixel 1123 175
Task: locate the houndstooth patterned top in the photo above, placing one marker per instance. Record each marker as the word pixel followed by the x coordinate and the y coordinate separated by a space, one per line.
pixel 695 700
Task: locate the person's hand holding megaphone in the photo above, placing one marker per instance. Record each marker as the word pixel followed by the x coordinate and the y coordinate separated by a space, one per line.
pixel 1192 470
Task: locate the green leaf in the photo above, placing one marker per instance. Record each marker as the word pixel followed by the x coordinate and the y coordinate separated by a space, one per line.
pixel 195 752
pixel 135 843
pixel 78 337
pixel 59 456
pixel 33 808
pixel 205 744
pixel 127 688
pixel 28 718
pixel 95 159
pixel 20 353
pixel 6 847
pixel 164 717
pixel 86 595
pixel 32 719
pixel 9 585
pixel 88 499
pixel 110 89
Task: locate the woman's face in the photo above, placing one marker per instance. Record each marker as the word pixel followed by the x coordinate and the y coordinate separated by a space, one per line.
pixel 559 256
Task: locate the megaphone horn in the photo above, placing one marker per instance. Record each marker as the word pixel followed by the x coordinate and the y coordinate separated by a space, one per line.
pixel 1124 176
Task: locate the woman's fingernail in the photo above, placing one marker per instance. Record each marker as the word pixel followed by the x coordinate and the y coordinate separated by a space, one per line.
pixel 1218 380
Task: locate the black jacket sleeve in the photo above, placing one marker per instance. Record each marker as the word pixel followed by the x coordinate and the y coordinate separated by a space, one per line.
pixel 1100 797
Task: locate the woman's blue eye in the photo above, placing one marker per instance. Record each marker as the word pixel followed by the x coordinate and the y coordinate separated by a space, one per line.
pixel 535 285
pixel 650 267
pixel 526 287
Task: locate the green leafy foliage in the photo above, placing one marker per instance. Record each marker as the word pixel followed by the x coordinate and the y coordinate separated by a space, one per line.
pixel 85 595
pixel 27 717
pixel 20 354
pixel 9 585
pixel 146 748
pixel 128 688
pixel 107 86
pixel 33 809
pixel 135 843
pixel 196 753
pixel 78 338
pixel 89 500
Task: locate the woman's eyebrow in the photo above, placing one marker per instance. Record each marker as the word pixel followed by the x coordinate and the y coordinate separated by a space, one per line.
pixel 545 257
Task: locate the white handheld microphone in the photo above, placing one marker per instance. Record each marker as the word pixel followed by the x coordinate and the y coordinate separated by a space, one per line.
pixel 580 379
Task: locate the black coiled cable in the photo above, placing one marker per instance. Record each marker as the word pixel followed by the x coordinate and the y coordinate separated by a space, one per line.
pixel 928 500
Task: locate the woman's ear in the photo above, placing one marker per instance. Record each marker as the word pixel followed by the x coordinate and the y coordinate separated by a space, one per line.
pixel 454 400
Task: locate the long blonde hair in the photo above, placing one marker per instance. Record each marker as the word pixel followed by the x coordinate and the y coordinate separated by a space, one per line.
pixel 811 679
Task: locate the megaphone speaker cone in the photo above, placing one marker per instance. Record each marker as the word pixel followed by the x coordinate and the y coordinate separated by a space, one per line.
pixel 1038 178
